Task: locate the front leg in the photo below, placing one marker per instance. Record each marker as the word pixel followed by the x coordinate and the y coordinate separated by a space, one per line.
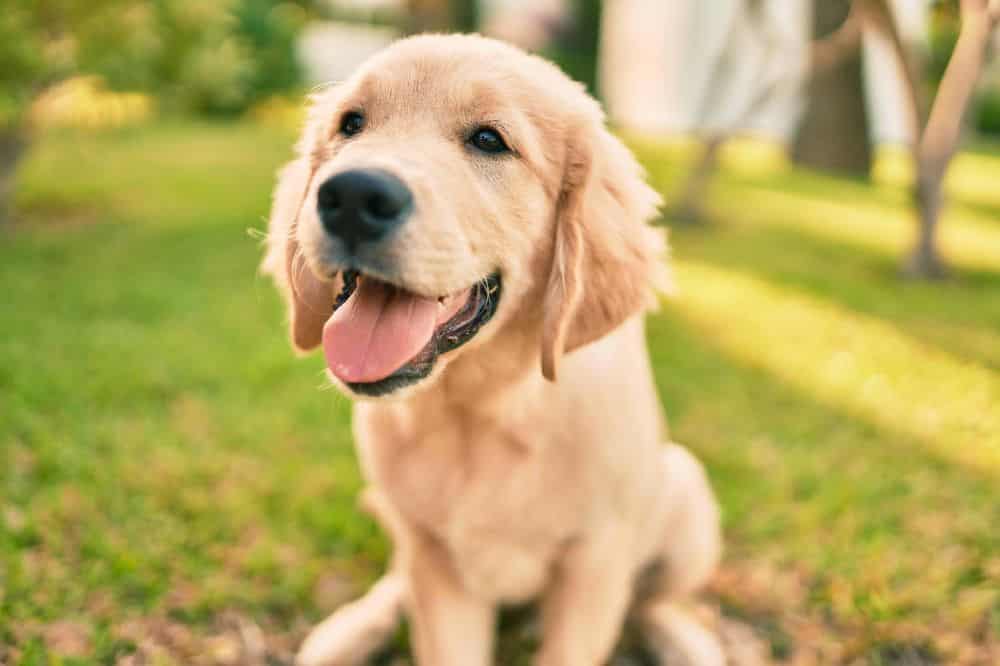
pixel 449 626
pixel 356 631
pixel 585 607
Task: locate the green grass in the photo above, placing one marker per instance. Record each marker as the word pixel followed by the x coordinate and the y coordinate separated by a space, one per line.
pixel 168 469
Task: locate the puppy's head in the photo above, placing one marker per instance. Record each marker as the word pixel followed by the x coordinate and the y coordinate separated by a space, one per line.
pixel 453 188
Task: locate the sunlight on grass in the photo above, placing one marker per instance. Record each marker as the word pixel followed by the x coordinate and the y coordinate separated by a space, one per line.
pixel 859 364
pixel 749 154
pixel 893 165
pixel 755 155
pixel 967 241
pixel 971 177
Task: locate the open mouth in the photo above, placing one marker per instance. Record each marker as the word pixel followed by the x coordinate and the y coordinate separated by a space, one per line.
pixel 382 337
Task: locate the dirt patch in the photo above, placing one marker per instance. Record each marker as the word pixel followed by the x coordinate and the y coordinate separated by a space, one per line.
pixel 234 640
pixel 68 638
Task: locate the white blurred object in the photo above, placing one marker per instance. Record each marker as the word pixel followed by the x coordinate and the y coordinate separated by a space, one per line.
pixel 331 51
pixel 884 81
pixel 698 66
pixel 639 71
pixel 758 64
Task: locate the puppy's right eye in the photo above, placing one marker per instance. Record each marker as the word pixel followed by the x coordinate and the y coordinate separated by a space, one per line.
pixel 489 141
pixel 352 123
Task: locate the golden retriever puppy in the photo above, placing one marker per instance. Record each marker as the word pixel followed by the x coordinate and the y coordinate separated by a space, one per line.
pixel 469 246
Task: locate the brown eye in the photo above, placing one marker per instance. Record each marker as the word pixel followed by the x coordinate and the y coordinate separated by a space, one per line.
pixel 488 141
pixel 352 123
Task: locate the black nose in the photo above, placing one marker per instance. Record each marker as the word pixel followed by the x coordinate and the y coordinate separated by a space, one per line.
pixel 363 205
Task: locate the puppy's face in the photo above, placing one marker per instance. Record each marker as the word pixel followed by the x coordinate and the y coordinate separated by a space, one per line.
pixel 424 213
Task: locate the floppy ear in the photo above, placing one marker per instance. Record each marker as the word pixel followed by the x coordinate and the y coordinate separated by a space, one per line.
pixel 310 300
pixel 607 261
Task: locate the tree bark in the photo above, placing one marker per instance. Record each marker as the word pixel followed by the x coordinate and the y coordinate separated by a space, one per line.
pixel 834 133
pixel 428 16
pixel 12 148
pixel 441 16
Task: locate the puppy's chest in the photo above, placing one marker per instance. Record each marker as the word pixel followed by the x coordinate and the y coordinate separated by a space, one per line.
pixel 490 502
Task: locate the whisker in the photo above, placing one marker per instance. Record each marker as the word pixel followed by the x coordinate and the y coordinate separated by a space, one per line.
pixel 485 286
pixel 257 234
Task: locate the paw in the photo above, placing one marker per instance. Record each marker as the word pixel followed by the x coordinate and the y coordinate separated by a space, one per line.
pixel 335 642
pixel 677 638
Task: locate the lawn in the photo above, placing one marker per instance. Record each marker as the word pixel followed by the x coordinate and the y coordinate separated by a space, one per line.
pixel 175 484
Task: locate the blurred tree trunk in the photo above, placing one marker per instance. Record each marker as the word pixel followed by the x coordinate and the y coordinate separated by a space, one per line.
pixel 12 149
pixel 427 16
pixel 441 15
pixel 834 132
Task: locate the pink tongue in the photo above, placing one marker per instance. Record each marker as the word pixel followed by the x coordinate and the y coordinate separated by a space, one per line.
pixel 380 328
pixel 377 331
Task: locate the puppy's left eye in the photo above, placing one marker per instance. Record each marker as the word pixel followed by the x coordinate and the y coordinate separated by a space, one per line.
pixel 352 123
pixel 489 141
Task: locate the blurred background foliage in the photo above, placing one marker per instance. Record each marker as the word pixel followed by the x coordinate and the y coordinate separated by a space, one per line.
pixel 202 57
pixel 199 56
pixel 220 57
pixel 942 35
pixel 575 47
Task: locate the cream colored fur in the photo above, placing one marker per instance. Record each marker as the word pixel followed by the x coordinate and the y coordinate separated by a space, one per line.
pixel 531 464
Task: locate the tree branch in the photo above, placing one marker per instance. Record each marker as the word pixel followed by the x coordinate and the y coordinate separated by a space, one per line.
pixel 940 138
pixel 936 146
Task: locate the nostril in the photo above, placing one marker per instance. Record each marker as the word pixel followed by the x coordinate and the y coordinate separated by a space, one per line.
pixel 328 199
pixel 382 206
